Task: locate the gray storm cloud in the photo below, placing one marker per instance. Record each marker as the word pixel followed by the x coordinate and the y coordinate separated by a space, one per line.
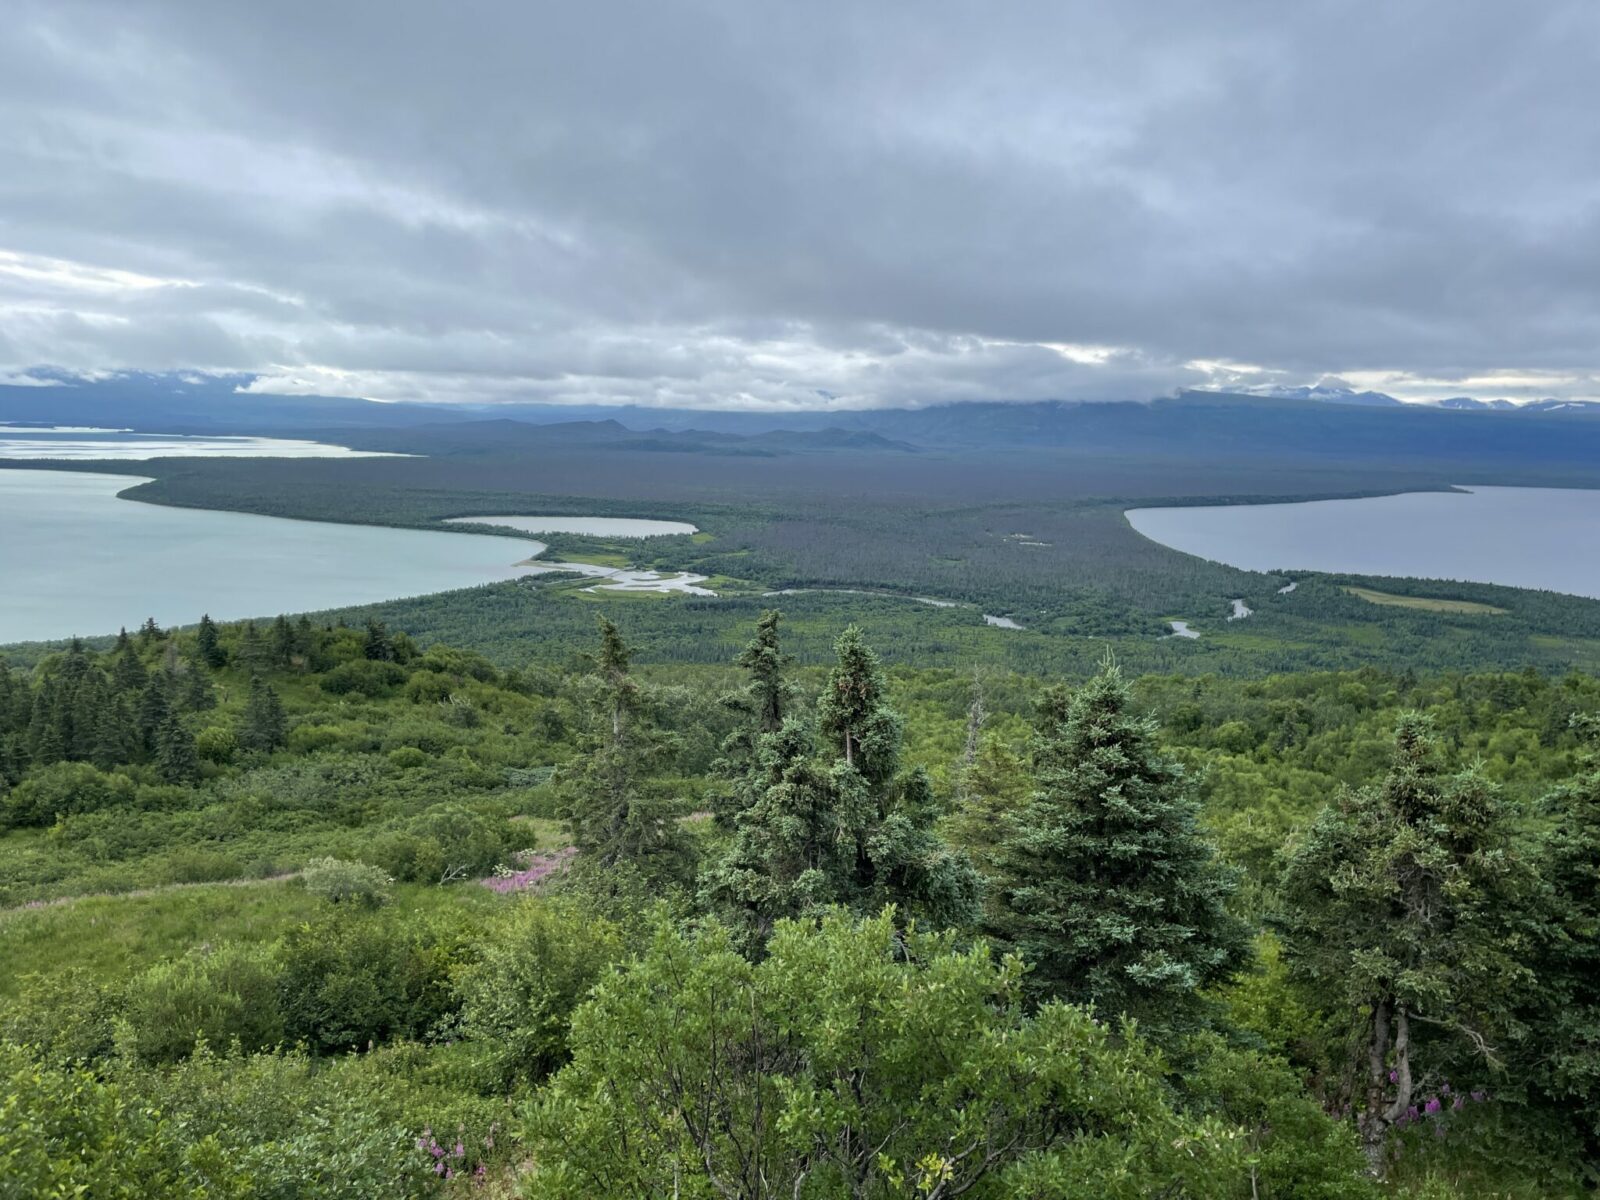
pixel 747 205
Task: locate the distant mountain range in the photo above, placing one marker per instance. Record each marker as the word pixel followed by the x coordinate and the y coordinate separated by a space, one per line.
pixel 1340 395
pixel 1308 424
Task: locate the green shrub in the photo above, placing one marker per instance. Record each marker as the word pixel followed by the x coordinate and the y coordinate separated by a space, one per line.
pixel 428 687
pixel 67 1015
pixel 536 964
pixel 216 744
pixel 347 983
pixel 63 789
pixel 363 677
pixel 408 758
pixel 212 996
pixel 309 739
pixel 447 843
pixel 67 1134
pixel 341 882
pixel 201 866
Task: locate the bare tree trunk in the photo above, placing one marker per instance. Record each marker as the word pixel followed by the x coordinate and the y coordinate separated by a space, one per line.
pixel 976 715
pixel 1373 1123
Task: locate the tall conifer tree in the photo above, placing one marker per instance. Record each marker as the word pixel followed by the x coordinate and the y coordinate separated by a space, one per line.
pixel 610 808
pixel 209 644
pixel 1399 905
pixel 175 752
pixel 1106 884
pixel 263 725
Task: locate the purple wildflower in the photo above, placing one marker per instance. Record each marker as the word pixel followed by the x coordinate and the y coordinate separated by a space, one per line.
pixel 536 868
pixel 1479 1097
pixel 1432 1106
pixel 461 1151
pixel 1458 1104
pixel 1394 1076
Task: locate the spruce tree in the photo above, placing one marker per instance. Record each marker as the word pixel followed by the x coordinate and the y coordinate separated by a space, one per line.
pixel 115 735
pixel 823 817
pixel 198 694
pixel 788 856
pixel 44 741
pixel 155 702
pixel 280 642
pixel 612 814
pixel 1400 906
pixel 378 646
pixel 760 707
pixel 251 653
pixel 129 674
pixel 263 726
pixel 209 645
pixel 175 752
pixel 769 693
pixel 1107 886
pixel 853 711
pixel 150 633
pixel 1565 1013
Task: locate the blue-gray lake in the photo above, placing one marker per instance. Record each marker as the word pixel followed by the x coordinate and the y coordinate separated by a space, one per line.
pixel 74 559
pixel 1521 537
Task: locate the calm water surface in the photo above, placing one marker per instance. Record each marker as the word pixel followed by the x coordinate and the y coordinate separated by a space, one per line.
pixel 76 560
pixel 81 442
pixel 1520 537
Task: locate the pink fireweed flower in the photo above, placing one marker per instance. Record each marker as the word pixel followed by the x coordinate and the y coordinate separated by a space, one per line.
pixel 535 869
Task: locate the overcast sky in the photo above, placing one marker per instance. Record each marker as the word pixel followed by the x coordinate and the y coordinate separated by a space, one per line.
pixel 850 204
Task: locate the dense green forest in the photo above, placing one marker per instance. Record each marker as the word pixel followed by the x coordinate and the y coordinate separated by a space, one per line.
pixel 311 907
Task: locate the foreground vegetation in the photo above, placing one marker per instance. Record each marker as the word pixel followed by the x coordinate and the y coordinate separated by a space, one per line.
pixel 305 909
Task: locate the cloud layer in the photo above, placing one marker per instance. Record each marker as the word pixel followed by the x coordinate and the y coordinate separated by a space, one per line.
pixel 736 205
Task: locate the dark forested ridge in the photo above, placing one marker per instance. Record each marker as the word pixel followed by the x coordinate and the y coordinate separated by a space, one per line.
pixel 303 908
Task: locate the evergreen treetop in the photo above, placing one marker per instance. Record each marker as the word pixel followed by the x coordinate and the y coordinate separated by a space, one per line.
pixel 1106 883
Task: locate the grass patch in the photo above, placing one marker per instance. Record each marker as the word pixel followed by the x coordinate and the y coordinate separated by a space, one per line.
pixel 114 936
pixel 1428 603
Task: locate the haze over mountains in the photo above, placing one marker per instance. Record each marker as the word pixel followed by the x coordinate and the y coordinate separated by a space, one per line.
pixel 217 403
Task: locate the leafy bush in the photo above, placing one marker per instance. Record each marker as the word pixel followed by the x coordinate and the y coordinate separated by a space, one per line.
pixel 346 984
pixel 63 789
pixel 852 1061
pixel 216 744
pixel 428 687
pixel 536 964
pixel 68 1133
pixel 363 677
pixel 67 1016
pixel 447 843
pixel 218 997
pixel 408 758
pixel 341 882
pixel 201 866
